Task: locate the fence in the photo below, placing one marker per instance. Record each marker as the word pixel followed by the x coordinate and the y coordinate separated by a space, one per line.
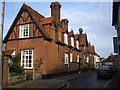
pixel 16 79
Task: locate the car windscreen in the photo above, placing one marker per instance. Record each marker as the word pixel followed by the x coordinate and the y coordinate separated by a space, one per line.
pixel 104 68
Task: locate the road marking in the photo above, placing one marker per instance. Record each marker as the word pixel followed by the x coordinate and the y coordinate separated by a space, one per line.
pixel 65 80
pixel 68 84
pixel 106 84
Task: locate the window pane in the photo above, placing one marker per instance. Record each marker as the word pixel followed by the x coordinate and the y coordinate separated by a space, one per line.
pixel 26 58
pixel 29 61
pixel 29 65
pixel 26 26
pixel 24 30
pixel 66 58
pixel 30 52
pixel 22 61
pixel 30 57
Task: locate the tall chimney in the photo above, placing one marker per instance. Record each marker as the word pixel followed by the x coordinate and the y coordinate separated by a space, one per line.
pixel 64 22
pixel 55 11
pixel 80 31
pixel 80 34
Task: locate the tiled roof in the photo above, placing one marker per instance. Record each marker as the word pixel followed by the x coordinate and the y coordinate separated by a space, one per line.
pixel 97 54
pixel 70 34
pixel 76 36
pixel 47 20
pixel 33 12
pixel 36 16
pixel 8 52
pixel 112 57
pixel 90 49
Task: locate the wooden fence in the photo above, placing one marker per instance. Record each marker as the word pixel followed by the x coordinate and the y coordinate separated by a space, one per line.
pixel 16 79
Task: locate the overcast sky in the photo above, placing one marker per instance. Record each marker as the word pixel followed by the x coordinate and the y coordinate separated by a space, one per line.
pixel 94 17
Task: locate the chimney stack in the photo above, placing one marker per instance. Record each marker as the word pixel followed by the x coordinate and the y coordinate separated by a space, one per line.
pixel 55 11
pixel 80 34
pixel 80 31
pixel 64 22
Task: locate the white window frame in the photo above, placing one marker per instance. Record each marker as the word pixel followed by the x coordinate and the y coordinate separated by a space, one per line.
pixel 24 31
pixel 87 60
pixel 66 58
pixel 65 38
pixel 71 57
pixel 84 48
pixel 78 58
pixel 77 44
pixel 26 53
pixel 72 41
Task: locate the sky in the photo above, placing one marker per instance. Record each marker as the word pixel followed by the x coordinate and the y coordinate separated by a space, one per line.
pixel 94 17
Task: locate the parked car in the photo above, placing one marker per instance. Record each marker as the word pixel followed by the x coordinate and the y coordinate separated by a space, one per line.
pixel 104 71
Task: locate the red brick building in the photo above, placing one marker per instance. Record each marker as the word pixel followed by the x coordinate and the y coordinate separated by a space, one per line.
pixel 45 43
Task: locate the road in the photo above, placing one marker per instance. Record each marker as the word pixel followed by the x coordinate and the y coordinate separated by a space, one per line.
pixel 88 81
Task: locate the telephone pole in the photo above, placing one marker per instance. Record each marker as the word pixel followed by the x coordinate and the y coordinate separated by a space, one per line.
pixel 1 38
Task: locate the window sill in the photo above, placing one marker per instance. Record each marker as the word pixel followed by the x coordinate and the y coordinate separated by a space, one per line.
pixel 28 67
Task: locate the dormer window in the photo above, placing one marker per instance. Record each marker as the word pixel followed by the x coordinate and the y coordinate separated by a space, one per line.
pixel 71 57
pixel 84 48
pixel 66 58
pixel 77 44
pixel 78 57
pixel 87 60
pixel 72 41
pixel 65 38
pixel 24 31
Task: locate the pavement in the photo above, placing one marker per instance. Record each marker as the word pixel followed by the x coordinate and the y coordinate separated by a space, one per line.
pixel 57 82
pixel 114 83
pixel 62 82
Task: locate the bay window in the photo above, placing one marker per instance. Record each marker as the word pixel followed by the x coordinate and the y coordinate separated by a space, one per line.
pixel 87 60
pixel 77 44
pixel 27 59
pixel 65 38
pixel 72 41
pixel 77 58
pixel 70 57
pixel 66 58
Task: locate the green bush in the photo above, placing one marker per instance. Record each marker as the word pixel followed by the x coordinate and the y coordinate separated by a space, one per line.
pixel 14 66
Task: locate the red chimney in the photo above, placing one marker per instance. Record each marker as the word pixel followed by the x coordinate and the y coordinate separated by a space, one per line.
pixel 55 11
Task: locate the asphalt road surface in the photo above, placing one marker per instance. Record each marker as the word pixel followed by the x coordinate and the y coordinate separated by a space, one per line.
pixel 88 81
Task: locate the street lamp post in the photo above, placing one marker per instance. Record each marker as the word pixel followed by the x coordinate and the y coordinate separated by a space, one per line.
pixel 1 37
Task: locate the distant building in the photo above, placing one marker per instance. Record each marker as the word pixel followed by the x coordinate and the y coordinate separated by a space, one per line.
pixel 112 60
pixel 96 61
pixel 102 60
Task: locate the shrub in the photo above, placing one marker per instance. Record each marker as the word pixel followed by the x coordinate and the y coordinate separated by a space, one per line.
pixel 14 66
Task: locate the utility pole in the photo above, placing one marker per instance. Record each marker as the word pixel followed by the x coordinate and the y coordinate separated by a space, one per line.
pixel 1 37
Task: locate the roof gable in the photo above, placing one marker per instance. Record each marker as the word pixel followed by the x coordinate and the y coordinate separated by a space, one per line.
pixel 34 15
